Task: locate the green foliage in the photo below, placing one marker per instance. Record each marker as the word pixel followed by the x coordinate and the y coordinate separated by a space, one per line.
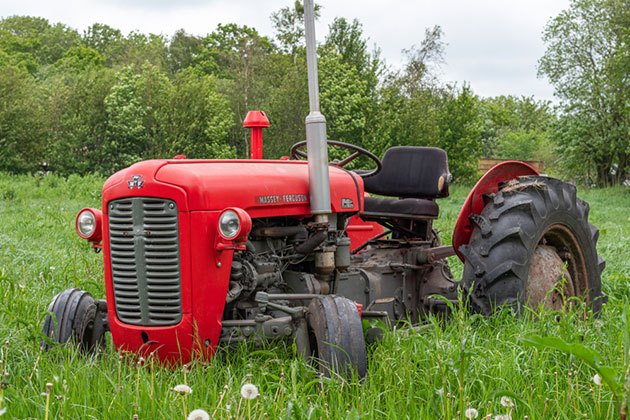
pixel 517 128
pixel 202 123
pixel 615 381
pixel 587 60
pixel 21 114
pixel 459 128
pixel 344 97
pixel 289 25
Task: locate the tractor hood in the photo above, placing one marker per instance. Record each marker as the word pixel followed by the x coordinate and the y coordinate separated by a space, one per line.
pixel 264 188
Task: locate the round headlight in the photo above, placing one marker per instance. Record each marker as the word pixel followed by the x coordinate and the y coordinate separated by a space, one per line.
pixel 86 223
pixel 229 224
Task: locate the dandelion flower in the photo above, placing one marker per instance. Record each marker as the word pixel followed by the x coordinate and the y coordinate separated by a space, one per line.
pixel 182 389
pixel 198 414
pixel 506 402
pixel 249 391
pixel 597 379
pixel 471 413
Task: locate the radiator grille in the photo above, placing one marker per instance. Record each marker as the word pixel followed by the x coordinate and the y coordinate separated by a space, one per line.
pixel 144 249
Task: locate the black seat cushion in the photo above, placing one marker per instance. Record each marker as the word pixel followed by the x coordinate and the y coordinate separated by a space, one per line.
pixel 406 207
pixel 412 172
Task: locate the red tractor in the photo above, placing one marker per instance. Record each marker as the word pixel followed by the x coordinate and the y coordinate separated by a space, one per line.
pixel 200 253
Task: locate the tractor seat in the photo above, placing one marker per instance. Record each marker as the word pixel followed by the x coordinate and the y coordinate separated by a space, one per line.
pixel 407 208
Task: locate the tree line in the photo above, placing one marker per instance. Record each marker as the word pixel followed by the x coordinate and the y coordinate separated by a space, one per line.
pixel 97 101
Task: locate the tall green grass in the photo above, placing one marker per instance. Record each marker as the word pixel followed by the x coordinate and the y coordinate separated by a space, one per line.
pixel 438 370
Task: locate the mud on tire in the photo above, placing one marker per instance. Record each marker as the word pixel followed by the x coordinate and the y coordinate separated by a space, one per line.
pixel 527 216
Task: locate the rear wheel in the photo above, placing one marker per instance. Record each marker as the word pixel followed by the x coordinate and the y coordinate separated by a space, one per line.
pixel 336 334
pixel 74 315
pixel 532 245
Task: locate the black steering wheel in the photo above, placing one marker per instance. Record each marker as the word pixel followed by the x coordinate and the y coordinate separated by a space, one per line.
pixel 298 152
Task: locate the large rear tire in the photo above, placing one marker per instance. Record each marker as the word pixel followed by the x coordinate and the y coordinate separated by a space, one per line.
pixel 74 315
pixel 337 341
pixel 532 244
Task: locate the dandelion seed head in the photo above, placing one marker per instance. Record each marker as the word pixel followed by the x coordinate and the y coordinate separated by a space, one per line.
pixel 471 413
pixel 198 414
pixel 182 389
pixel 249 391
pixel 503 417
pixel 506 402
pixel 49 386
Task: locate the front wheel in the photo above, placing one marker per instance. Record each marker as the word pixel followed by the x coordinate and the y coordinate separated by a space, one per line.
pixel 74 315
pixel 531 245
pixel 336 334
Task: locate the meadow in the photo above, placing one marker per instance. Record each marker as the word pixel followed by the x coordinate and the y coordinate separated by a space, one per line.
pixel 438 370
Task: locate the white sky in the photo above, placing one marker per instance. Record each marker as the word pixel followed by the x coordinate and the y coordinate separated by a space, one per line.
pixel 492 44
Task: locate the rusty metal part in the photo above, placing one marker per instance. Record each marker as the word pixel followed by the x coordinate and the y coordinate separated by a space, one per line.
pixel 431 255
pixel 548 282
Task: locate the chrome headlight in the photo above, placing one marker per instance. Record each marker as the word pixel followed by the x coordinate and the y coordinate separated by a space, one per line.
pixel 229 224
pixel 234 224
pixel 88 224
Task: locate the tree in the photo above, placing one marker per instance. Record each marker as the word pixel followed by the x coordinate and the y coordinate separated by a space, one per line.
pixel 108 41
pixel 200 119
pixel 75 120
pixel 517 128
pixel 289 25
pixel 423 61
pixel 587 60
pixel 459 129
pixel 21 142
pixel 183 50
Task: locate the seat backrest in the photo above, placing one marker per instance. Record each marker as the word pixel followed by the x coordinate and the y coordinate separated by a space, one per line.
pixel 411 172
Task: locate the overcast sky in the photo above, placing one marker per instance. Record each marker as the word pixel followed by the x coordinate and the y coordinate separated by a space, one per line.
pixel 492 44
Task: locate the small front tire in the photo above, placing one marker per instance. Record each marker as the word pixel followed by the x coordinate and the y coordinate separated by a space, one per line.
pixel 74 315
pixel 336 333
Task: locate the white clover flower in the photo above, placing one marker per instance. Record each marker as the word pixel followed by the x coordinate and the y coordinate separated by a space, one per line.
pixel 597 379
pixel 471 413
pixel 182 389
pixel 506 402
pixel 198 414
pixel 249 391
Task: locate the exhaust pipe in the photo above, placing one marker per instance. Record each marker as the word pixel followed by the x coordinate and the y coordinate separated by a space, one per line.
pixel 317 149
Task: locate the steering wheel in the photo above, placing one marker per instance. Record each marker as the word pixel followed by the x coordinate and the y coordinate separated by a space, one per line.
pixel 298 152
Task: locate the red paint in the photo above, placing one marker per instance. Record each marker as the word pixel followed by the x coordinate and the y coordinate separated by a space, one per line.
pixel 489 183
pixel 256 121
pixel 360 231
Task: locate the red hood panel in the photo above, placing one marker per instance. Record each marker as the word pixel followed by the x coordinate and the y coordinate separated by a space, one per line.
pixel 262 187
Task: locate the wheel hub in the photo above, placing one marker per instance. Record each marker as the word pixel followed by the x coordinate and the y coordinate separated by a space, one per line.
pixel 548 279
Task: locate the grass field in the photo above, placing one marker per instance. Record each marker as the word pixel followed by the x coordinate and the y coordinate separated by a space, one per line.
pixel 437 371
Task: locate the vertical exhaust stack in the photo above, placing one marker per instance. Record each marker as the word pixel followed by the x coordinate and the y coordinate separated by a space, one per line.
pixel 317 148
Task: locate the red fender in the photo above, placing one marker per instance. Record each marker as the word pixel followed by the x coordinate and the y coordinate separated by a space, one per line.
pixel 489 183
